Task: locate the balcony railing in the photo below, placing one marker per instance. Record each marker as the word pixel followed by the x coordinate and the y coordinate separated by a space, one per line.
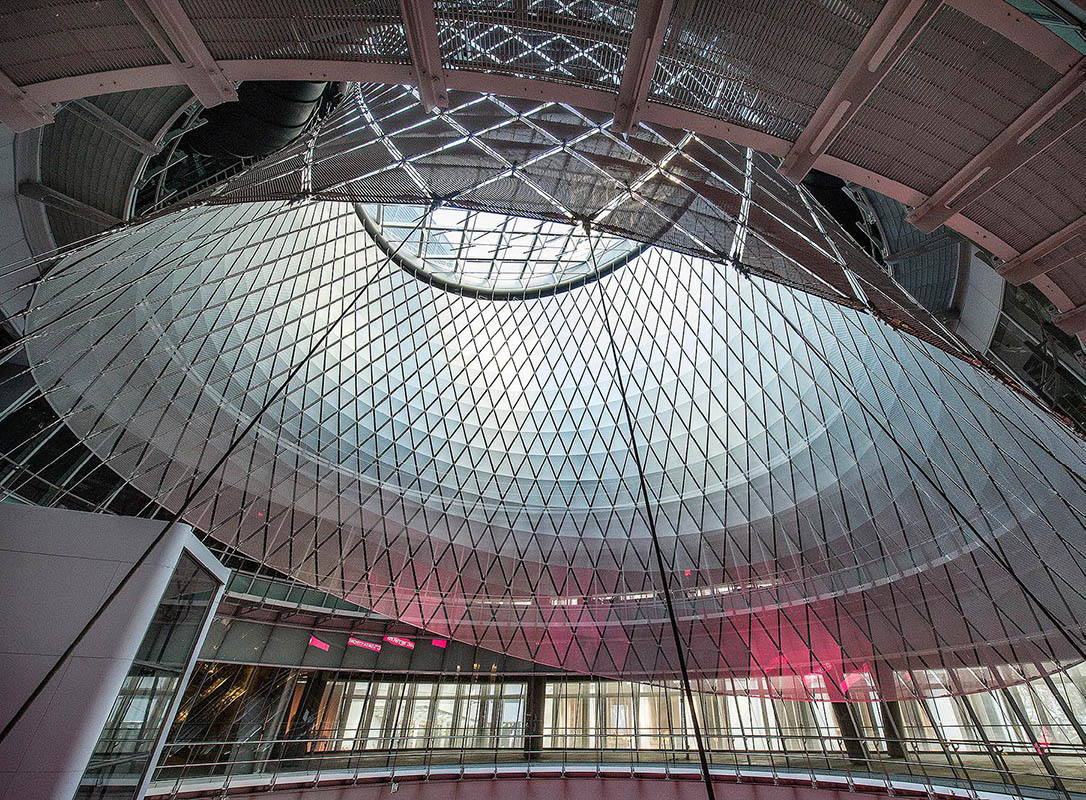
pixel 935 767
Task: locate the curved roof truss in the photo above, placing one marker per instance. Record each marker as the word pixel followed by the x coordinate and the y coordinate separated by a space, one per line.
pixel 968 110
pixel 964 110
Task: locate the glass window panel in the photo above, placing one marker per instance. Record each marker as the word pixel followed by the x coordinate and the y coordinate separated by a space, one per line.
pixel 444 716
pixel 138 715
pixel 418 720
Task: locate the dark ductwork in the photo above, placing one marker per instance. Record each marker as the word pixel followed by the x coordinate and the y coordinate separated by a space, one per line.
pixel 267 116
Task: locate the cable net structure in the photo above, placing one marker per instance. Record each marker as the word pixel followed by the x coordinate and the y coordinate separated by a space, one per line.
pixel 466 369
pixel 555 162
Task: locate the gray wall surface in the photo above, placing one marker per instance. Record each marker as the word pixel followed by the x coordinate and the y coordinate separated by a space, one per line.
pixel 56 567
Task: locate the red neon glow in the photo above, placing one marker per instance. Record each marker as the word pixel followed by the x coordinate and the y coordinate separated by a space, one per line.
pixel 315 642
pixel 396 640
pixel 686 572
pixel 354 641
pixel 851 678
pixel 440 642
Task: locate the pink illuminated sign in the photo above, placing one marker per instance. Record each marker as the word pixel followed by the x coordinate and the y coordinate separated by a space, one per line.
pixel 396 640
pixel 356 642
pixel 315 642
pixel 440 642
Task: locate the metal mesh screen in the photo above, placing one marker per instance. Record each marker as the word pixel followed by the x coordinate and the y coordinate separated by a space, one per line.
pixel 39 42
pixel 936 109
pixel 1039 198
pixel 722 59
pixel 343 30
pixel 582 41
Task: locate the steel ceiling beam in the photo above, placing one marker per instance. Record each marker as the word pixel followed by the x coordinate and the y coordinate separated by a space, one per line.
pixel 1060 247
pixel 166 22
pixel 922 247
pixel 18 110
pixel 650 26
pixel 895 28
pixel 420 26
pixel 1006 153
pixel 1072 321
pixel 48 196
pixel 89 112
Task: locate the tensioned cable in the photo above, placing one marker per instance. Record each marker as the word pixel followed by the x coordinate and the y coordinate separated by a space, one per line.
pixel 650 520
pixel 191 495
pixel 179 316
pixel 998 556
pixel 1015 578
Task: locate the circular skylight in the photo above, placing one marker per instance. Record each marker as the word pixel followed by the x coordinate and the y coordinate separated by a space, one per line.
pixel 493 255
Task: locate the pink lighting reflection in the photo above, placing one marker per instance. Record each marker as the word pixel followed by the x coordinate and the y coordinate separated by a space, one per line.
pixel 1043 743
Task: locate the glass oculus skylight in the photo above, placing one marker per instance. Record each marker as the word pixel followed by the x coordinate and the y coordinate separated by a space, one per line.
pixel 482 254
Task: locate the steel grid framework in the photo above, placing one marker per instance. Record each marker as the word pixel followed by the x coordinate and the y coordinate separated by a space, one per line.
pixel 839 503
pixel 967 110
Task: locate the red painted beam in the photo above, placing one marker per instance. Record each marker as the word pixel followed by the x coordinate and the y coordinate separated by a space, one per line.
pixel 1060 247
pixel 1004 154
pixel 18 110
pixel 1072 321
pixel 650 25
pixel 420 25
pixel 166 22
pixel 895 28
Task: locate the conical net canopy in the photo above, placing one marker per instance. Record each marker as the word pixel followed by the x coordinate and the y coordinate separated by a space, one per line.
pixel 839 505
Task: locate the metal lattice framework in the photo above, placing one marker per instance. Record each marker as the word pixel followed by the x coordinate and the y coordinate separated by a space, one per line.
pixel 838 503
pixel 554 162
pixel 493 255
pixel 966 110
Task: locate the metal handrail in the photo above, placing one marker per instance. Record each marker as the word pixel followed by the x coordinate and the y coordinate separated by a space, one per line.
pixel 352 758
pixel 765 733
pixel 1005 746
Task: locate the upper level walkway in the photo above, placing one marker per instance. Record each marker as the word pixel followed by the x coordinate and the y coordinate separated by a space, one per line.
pixel 285 768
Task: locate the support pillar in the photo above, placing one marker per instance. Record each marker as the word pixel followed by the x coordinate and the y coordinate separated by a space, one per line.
pixel 533 717
pixel 850 732
pixel 893 729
